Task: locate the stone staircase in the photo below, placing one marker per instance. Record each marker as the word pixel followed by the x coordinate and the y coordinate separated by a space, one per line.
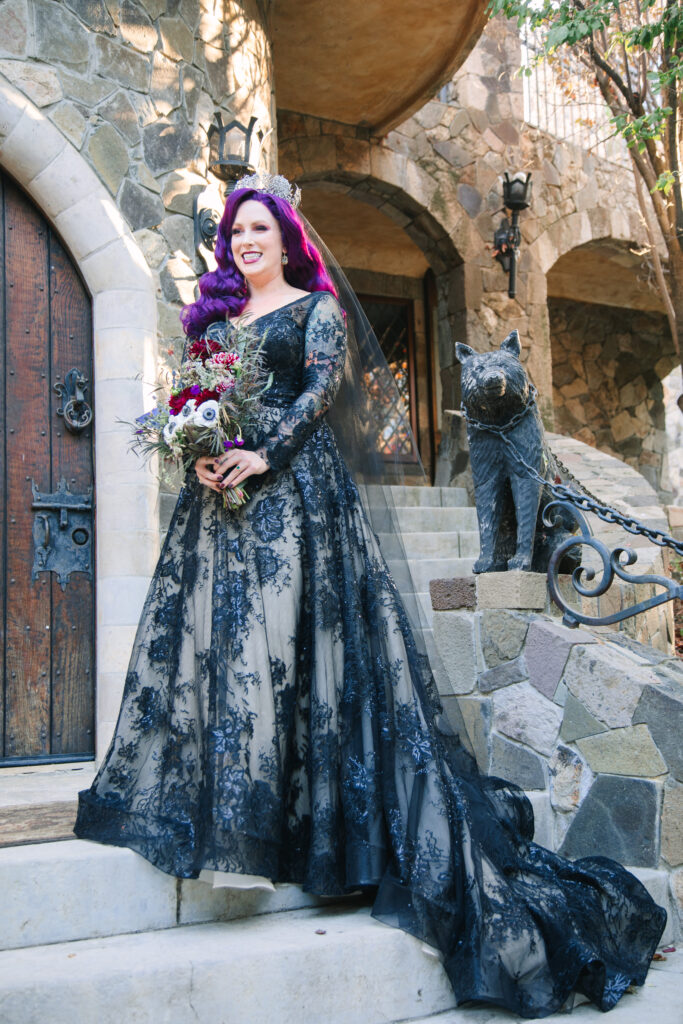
pixel 111 937
pixel 440 538
pixel 94 935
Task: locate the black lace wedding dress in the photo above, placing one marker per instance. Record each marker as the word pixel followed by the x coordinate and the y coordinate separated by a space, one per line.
pixel 279 720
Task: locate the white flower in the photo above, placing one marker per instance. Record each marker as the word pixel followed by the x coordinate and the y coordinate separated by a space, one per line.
pixel 188 409
pixel 207 414
pixel 169 431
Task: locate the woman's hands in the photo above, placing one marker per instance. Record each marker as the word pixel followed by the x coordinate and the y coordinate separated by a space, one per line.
pixel 229 470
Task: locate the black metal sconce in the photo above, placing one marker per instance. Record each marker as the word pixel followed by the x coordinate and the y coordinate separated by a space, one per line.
pixel 230 149
pixel 506 240
pixel 230 158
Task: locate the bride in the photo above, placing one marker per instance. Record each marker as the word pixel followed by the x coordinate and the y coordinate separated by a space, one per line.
pixel 279 717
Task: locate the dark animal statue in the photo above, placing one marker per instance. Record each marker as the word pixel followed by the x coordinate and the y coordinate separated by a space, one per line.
pixel 502 419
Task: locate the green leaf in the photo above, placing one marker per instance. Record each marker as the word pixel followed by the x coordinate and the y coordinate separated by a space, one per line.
pixel 665 182
pixel 556 36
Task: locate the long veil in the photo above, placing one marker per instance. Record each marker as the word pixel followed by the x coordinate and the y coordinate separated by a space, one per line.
pixel 518 925
pixel 369 409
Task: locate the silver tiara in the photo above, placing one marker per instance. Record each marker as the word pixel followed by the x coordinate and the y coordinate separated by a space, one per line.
pixel 274 185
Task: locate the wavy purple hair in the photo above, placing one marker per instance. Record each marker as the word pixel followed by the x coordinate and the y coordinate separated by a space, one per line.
pixel 223 292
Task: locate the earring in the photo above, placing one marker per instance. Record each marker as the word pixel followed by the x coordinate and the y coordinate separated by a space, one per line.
pixel 285 258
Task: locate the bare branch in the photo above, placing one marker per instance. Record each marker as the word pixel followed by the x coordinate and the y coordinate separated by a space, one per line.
pixel 624 55
pixel 645 209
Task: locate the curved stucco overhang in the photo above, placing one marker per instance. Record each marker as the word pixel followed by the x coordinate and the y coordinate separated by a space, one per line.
pixel 82 211
pixel 604 271
pixel 369 62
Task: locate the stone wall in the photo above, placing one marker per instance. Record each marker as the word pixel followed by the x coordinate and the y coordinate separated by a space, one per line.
pixel 438 173
pixel 104 109
pixel 608 366
pixel 590 726
pixel 134 86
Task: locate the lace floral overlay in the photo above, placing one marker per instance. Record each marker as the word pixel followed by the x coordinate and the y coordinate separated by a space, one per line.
pixel 278 720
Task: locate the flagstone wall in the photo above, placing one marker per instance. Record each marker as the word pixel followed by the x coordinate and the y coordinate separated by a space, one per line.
pixel 590 726
pixel 440 171
pixel 588 721
pixel 608 368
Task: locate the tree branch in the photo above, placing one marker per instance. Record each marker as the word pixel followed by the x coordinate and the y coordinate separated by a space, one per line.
pixel 659 270
pixel 672 131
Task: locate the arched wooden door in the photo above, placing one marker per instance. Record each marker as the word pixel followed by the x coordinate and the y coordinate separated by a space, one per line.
pixel 46 528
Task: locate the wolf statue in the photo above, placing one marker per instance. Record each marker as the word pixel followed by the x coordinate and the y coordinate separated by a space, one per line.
pixel 505 432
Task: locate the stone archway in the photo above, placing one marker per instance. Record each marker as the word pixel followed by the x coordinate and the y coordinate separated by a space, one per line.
pixel 432 219
pixel 611 349
pixel 71 196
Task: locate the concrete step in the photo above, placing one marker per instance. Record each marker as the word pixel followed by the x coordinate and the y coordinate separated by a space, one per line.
pixel 425 599
pixel 658 1000
pixel 436 662
pixel 423 570
pixel 38 803
pixel 455 496
pixel 442 544
pixel 429 544
pixel 57 892
pixel 429 520
pixel 425 609
pixel 303 967
pixel 423 496
pixel 469 544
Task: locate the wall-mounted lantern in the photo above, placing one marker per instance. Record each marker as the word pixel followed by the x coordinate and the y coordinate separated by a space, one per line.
pixel 231 156
pixel 506 240
pixel 230 149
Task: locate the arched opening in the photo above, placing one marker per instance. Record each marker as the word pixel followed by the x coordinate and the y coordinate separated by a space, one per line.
pixel 47 703
pixel 611 349
pixel 73 201
pixel 406 270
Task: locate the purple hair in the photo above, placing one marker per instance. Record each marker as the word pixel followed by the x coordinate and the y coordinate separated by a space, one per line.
pixel 223 292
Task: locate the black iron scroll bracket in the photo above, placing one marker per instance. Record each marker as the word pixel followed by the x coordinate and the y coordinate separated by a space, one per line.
pixel 574 503
pixel 614 563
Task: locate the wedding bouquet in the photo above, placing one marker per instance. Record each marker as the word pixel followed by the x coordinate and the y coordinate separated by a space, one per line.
pixel 214 398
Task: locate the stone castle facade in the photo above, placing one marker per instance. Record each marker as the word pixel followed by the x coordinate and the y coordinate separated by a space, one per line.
pixel 104 113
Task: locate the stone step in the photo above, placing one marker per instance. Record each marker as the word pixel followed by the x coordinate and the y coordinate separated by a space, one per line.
pixel 38 803
pixel 336 965
pixel 659 999
pixel 436 544
pixel 423 496
pixel 64 891
pixel 423 570
pixel 425 599
pixel 430 520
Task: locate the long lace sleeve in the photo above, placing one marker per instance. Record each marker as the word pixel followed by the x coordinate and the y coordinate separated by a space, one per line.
pixel 325 354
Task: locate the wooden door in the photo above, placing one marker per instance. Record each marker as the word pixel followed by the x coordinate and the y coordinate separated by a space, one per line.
pixel 47 708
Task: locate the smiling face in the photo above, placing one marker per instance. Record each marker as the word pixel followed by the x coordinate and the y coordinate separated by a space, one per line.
pixel 257 243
